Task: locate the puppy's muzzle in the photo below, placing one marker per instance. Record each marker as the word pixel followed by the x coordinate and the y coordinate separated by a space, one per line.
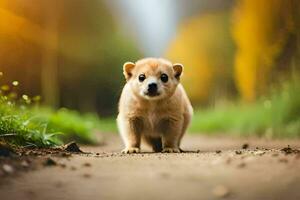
pixel 152 90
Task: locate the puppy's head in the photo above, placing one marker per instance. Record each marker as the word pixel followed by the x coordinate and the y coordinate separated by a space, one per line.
pixel 152 78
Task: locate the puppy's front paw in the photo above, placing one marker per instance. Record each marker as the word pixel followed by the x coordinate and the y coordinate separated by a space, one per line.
pixel 171 150
pixel 131 150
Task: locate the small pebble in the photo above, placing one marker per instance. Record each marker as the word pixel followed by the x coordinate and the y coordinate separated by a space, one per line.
pixel 24 164
pixel 220 191
pixel 245 146
pixel 241 165
pixel 8 169
pixel 283 160
pixel 238 152
pixel 50 162
pixel 228 160
pixel 86 175
pixel 87 164
pixel 259 153
pixel 63 165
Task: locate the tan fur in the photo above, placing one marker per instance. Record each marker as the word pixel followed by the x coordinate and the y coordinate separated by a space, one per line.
pixel 160 121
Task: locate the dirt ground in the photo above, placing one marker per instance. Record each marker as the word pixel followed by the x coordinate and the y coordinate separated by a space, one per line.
pixel 215 168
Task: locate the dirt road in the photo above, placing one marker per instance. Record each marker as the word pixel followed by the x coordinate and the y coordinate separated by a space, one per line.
pixel 231 173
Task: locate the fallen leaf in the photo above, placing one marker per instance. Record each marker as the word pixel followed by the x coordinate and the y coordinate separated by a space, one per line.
pixel 72 147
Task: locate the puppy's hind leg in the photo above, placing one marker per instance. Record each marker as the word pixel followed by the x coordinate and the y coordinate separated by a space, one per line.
pixel 186 122
pixel 171 135
pixel 154 142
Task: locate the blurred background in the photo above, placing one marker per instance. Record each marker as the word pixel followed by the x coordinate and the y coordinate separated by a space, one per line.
pixel 241 57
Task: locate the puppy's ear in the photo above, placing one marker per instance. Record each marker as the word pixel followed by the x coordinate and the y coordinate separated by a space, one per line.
pixel 127 69
pixel 178 68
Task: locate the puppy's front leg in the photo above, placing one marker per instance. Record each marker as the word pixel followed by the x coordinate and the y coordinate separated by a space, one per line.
pixel 130 129
pixel 171 136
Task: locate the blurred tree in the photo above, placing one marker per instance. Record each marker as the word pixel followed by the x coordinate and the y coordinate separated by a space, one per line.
pixel 204 46
pixel 93 52
pixel 261 30
pixel 70 51
pixel 49 57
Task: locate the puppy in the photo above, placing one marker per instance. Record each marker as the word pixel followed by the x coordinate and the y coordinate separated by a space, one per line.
pixel 153 106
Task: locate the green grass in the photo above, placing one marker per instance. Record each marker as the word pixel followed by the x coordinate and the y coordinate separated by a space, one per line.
pixel 70 124
pixel 23 122
pixel 276 116
pixel 43 127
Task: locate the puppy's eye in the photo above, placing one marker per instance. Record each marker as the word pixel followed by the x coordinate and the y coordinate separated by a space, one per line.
pixel 142 77
pixel 164 78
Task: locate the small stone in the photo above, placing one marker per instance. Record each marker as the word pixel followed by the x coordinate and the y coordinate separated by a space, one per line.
pixel 245 146
pixel 241 165
pixel 283 160
pixel 238 152
pixel 86 175
pixel 58 184
pixel 63 165
pixel 87 164
pixel 50 162
pixel 8 169
pixel 259 153
pixel 164 175
pixel 24 164
pixel 218 151
pixel 288 150
pixel 228 161
pixel 220 191
pixel 72 147
pixel 65 154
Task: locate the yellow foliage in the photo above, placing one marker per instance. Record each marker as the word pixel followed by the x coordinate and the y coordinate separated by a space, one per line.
pixel 18 26
pixel 203 45
pixel 260 30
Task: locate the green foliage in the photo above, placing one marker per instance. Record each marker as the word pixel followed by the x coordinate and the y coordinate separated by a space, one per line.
pixel 21 127
pixel 108 125
pixel 71 124
pixel 24 122
pixel 277 116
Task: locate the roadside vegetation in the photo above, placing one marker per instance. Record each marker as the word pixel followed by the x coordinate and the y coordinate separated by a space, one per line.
pixel 24 122
pixel 275 116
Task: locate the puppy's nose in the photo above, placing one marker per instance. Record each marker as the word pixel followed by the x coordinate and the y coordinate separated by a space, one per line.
pixel 152 88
